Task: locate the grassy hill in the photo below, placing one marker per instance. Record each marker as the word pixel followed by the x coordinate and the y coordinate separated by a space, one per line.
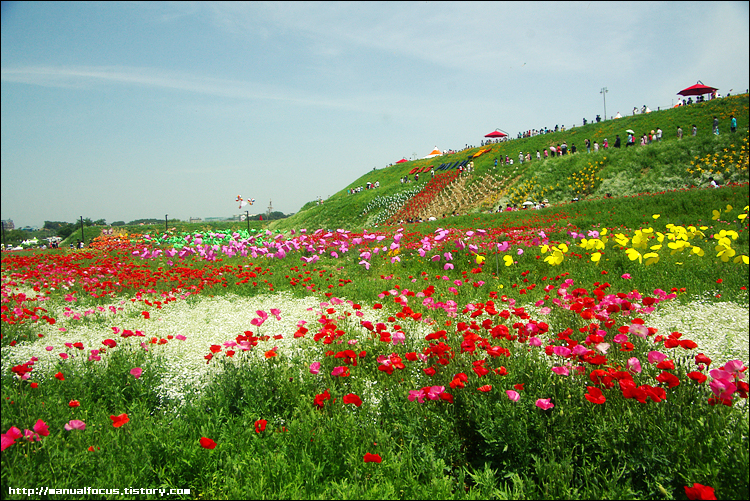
pixel 670 164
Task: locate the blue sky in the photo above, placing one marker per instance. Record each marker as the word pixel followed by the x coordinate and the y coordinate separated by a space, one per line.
pixel 135 110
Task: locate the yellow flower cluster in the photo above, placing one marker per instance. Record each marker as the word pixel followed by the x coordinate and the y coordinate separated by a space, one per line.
pixel 586 180
pixel 725 162
pixel 558 253
pixel 527 190
pixel 645 244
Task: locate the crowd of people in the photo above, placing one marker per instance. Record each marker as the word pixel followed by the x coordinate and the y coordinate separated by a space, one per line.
pixel 367 186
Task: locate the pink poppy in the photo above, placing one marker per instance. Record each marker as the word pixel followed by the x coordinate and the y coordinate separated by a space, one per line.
pixel 544 403
pixel 513 395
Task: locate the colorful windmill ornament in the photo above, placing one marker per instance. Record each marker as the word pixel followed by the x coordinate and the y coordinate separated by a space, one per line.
pixel 243 202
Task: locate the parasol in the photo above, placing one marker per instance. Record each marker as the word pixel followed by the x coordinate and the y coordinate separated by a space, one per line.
pixel 697 90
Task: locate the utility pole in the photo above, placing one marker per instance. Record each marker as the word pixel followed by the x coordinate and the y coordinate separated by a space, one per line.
pixel 166 225
pixel 603 92
pixel 247 218
pixel 83 239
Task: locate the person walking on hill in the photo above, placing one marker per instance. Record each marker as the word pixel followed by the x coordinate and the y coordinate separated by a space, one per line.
pixel 605 144
pixel 617 141
pixel 588 145
pixel 679 132
pixel 631 140
pixel 695 130
pixel 733 124
pixel 716 126
pixel 658 134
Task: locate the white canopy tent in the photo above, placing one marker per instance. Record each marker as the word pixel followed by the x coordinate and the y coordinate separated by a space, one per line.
pixel 434 153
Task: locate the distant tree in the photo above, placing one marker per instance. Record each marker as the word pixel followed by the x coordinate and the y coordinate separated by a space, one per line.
pixel 54 225
pixel 118 223
pixel 14 237
pixel 147 221
pixel 66 230
pixel 100 222
pixel 276 215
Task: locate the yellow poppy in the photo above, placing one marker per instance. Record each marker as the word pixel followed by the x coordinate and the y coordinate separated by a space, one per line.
pixel 651 258
pixel 634 254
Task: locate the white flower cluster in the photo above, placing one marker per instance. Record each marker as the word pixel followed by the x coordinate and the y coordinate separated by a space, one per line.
pixel 391 203
pixel 722 330
pixel 203 321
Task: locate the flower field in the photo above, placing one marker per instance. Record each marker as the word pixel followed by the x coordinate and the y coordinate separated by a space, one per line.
pixel 562 356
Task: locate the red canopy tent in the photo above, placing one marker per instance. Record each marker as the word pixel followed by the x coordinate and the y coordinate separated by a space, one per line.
pixel 496 133
pixel 697 90
pixel 402 161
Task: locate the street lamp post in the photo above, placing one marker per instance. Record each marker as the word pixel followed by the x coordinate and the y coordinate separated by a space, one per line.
pixel 603 92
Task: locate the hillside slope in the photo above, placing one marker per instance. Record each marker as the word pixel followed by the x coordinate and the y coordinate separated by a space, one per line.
pixel 661 166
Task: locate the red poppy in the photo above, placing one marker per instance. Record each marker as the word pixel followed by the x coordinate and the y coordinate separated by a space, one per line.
pixel 372 458
pixel 666 365
pixel 110 343
pixel 60 376
pixel 698 491
pixel 120 420
pixel 698 377
pixel 485 388
pixel 215 348
pixel 351 398
pixel 207 443
pixel 270 354
pixel 700 358
pixel 321 398
pixel 519 386
pixel 260 425
pixel 146 315
pixel 595 395
pixel 670 379
pixel 34 385
pixel 74 403
pixel 480 371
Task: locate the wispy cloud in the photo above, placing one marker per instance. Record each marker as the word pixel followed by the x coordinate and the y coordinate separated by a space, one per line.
pixel 90 76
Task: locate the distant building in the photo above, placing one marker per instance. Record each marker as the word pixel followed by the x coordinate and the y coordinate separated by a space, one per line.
pixel 195 220
pixel 8 224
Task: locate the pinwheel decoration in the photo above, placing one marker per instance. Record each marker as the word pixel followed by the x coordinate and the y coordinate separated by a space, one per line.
pixel 243 202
